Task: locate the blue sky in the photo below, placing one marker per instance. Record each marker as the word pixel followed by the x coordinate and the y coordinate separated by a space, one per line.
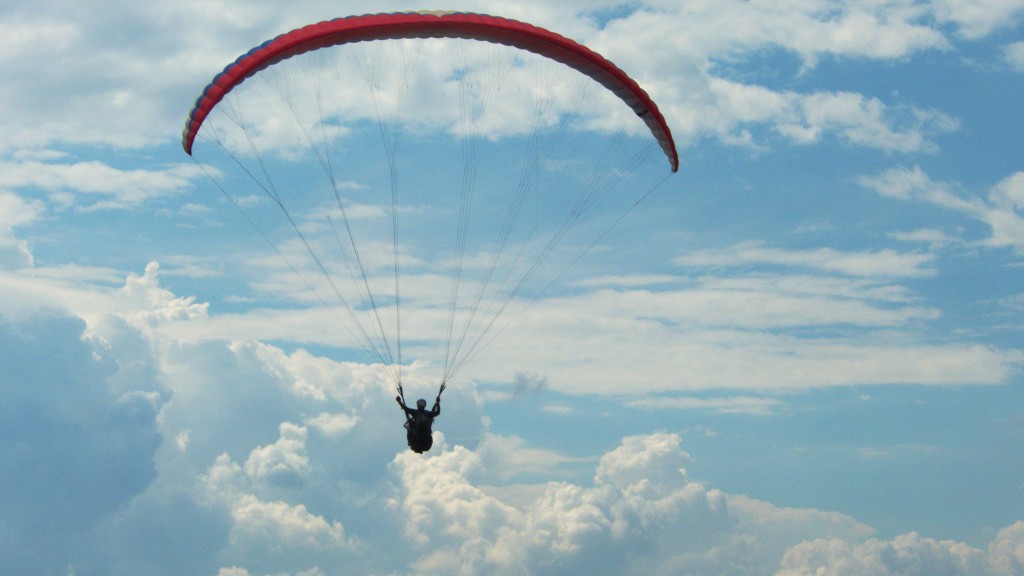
pixel 801 354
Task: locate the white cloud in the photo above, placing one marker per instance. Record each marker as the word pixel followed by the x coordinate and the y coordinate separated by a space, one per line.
pixel 284 462
pixel 936 239
pixel 16 211
pixel 752 405
pixel 719 332
pixel 810 29
pixel 797 524
pixel 154 434
pixel 285 525
pixel 878 264
pixel 908 555
pixel 1006 552
pixel 664 357
pixel 264 531
pixel 977 18
pixel 137 89
pixel 115 188
pixel 153 304
pixel 23 39
pixel 510 457
pixel 689 57
pixel 866 122
pixel 448 511
pixel 333 424
pixel 642 514
pixel 1002 209
pixel 914 184
pixel 1005 213
pixel 731 110
pixel 1014 54
pixel 80 436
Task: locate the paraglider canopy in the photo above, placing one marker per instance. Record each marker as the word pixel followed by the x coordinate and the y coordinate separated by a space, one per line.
pixel 506 161
pixel 434 25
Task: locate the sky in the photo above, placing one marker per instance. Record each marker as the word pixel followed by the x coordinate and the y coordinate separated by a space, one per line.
pixel 800 354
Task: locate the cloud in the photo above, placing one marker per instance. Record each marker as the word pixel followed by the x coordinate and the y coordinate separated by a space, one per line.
pixel 808 118
pixel 281 524
pixel 877 264
pixel 130 85
pixel 641 514
pixel 283 462
pixel 1005 213
pixel 116 188
pixel 254 492
pixel 905 183
pixel 866 122
pixel 23 39
pixel 145 431
pixel 506 458
pixel 80 434
pixel 333 424
pixel 751 405
pixel 782 526
pixel 15 211
pixel 693 59
pixel 1000 210
pixel 267 532
pixel 975 19
pixel 1006 552
pixel 688 351
pixel 136 89
pixel 1014 54
pixel 909 554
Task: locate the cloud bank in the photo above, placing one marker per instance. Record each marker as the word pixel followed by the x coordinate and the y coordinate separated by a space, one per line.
pixel 126 451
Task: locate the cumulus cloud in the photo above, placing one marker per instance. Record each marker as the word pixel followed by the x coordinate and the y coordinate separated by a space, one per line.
pixel 284 461
pixel 145 432
pixel 642 514
pixel 79 438
pixel 1006 552
pixel 153 303
pixel 267 532
pixel 909 554
pixel 273 480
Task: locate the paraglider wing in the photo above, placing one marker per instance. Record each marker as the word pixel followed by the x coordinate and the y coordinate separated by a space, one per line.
pixel 434 25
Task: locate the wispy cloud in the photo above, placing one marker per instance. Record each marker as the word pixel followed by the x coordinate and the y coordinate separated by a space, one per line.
pixel 1014 54
pixel 94 185
pixel 886 263
pixel 750 405
pixel 1000 209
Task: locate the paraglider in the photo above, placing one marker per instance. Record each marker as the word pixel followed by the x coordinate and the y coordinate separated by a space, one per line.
pixel 418 422
pixel 538 140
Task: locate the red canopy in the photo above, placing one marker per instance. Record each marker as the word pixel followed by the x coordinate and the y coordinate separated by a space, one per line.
pixel 433 25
